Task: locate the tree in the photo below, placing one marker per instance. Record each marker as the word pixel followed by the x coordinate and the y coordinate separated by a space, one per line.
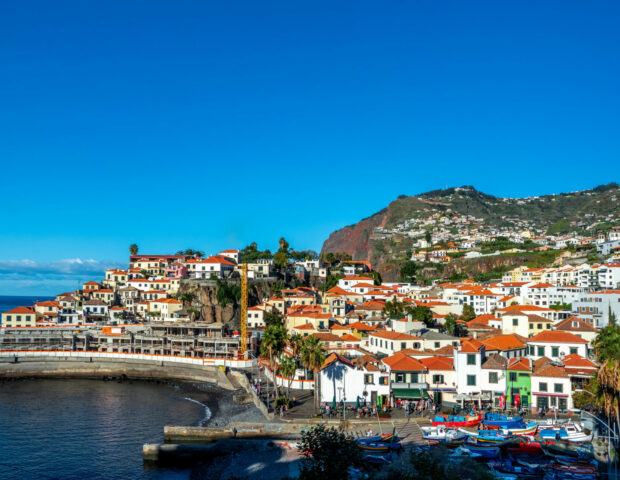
pixel 133 249
pixel 312 358
pixel 272 346
pixel 144 273
pixel 280 259
pixel 187 298
pixel 450 325
pixel 296 342
pixel 327 454
pixel 394 309
pixel 283 244
pixel 273 317
pixel 422 314
pixel 376 276
pixel 468 313
pixel 607 351
pixel 288 367
pixel 428 237
pixel 408 270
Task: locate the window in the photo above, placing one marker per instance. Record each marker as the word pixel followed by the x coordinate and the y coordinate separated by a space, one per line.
pixel 540 326
pixel 437 344
pixel 492 377
pixel 523 374
pixel 555 351
pixel 8 318
pixel 438 379
pixel 542 387
pixel 573 350
pixel 512 376
pixel 541 351
pixel 18 318
pixel 558 388
pixel 515 322
pixel 471 380
pixel 403 345
pixel 369 379
pixel 471 359
pixel 400 378
pixel 413 377
pixel 383 380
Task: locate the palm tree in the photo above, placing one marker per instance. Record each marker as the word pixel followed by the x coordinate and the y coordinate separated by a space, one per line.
pixel 312 357
pixel 272 346
pixel 187 297
pixel 607 350
pixel 296 342
pixel 133 249
pixel 288 367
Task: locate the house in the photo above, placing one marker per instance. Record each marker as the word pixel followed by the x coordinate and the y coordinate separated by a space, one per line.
pixel 89 286
pixel 519 372
pixel 551 387
pixel 580 370
pixel 95 310
pixel 214 266
pixel 493 378
pixel 261 268
pixel 508 346
pixel 388 343
pixel 19 317
pixel 231 254
pixel 166 307
pixel 537 324
pixel 579 327
pixel 115 277
pixel 363 380
pixel 440 378
pixel 468 360
pixel 176 270
pixel 407 377
pixel 47 307
pixel 556 345
pixel 594 307
pixel 434 340
pixel 256 315
pixel 106 295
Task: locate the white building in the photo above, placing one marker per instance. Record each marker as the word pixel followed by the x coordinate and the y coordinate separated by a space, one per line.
pixel 551 388
pixel 555 345
pixel 388 343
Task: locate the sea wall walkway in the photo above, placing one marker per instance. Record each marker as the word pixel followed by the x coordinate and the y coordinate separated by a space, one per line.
pixel 67 364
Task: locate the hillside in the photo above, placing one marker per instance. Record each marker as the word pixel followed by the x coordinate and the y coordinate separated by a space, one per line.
pixel 388 237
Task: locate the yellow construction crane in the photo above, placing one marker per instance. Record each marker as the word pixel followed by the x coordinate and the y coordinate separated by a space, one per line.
pixel 244 308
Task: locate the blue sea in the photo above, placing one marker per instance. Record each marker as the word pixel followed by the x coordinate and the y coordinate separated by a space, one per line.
pixel 7 302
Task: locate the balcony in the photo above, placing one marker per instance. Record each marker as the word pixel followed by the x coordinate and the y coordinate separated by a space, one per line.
pixel 410 385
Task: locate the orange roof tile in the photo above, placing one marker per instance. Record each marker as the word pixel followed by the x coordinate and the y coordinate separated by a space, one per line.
pixel 470 345
pixel 388 335
pixel 555 336
pixel 402 362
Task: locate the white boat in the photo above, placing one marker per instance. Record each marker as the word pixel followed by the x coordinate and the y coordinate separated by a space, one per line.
pixel 570 432
pixel 529 430
pixel 442 433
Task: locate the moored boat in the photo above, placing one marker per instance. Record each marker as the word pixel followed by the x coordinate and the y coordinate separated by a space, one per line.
pixel 442 433
pixel 454 421
pixel 523 446
pixel 484 450
pixel 379 445
pixel 569 432
pixel 500 421
pixel 529 429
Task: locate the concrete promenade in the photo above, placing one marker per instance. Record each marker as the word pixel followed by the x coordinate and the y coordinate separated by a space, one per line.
pixel 71 367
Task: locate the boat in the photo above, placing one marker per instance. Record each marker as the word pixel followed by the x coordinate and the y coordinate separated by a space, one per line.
pixel 485 436
pixel 443 434
pixel 379 444
pixel 522 471
pixel 454 421
pixel 573 472
pixel 529 430
pixel 568 452
pixel 523 446
pixel 500 421
pixel 377 459
pixel 569 432
pixel 484 451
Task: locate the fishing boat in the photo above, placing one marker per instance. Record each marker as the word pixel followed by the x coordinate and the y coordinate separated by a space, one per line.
pixel 378 444
pixel 500 421
pixel 523 471
pixel 442 433
pixel 454 421
pixel 377 459
pixel 529 430
pixel 484 450
pixel 570 433
pixel 523 446
pixel 568 452
pixel 485 436
pixel 572 471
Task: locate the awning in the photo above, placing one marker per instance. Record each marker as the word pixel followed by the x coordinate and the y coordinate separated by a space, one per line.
pixel 409 393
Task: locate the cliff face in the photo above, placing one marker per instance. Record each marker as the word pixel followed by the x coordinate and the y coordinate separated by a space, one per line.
pixel 355 239
pixel 211 311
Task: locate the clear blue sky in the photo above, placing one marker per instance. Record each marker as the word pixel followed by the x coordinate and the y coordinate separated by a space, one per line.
pixel 214 124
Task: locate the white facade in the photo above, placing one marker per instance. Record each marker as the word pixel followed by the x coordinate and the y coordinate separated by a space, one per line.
pixel 389 343
pixel 555 350
pixel 341 380
pixel 468 371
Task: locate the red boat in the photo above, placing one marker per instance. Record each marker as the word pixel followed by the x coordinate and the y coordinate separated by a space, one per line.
pixel 455 422
pixel 525 447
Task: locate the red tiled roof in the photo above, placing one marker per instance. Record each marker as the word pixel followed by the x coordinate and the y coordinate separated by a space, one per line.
pixel 470 345
pixel 389 335
pixel 555 336
pixel 402 362
pixel 437 363
pixel 520 363
pixel 503 342
pixel 20 310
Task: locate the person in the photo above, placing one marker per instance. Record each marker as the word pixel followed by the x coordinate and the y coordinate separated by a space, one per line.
pixel 327 411
pixel 369 433
pixel 235 432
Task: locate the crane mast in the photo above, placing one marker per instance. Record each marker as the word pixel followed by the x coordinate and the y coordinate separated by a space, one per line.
pixel 244 308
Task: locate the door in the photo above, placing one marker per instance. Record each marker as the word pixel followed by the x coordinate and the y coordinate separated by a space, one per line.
pixel 373 398
pixel 562 404
pixel 437 398
pixel 543 402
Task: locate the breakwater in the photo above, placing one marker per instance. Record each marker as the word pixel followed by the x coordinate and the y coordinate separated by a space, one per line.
pixel 98 366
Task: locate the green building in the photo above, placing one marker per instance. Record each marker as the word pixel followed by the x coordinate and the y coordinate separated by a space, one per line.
pixel 518 381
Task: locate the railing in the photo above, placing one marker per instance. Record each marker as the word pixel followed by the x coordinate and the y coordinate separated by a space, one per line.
pixel 206 361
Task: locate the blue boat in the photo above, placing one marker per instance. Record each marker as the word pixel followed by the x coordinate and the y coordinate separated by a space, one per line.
pixel 484 450
pixel 488 436
pixel 502 421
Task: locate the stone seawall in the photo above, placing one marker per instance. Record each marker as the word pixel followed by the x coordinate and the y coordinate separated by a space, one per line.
pixel 61 367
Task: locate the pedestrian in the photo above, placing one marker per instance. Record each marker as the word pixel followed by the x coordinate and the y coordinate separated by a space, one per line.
pixel 235 432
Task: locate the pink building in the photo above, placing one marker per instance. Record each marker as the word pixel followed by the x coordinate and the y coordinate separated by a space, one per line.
pixel 175 270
